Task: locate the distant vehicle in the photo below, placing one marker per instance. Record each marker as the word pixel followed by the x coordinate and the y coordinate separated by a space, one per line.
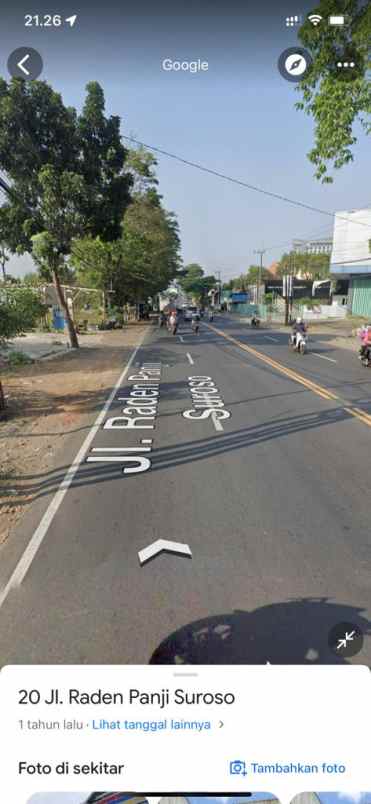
pixel 189 312
pixel 299 342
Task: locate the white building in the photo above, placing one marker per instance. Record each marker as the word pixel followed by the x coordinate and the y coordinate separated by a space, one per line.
pixel 322 246
pixel 351 256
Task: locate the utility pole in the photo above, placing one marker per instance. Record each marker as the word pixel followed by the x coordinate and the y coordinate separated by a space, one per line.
pixel 218 273
pixel 260 251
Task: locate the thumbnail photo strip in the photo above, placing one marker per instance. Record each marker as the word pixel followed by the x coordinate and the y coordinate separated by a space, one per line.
pixel 194 798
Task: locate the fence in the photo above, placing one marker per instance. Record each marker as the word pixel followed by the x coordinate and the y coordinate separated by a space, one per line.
pixel 276 313
pixel 264 311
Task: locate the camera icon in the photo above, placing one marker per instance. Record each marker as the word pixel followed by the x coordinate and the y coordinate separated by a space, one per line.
pixel 237 768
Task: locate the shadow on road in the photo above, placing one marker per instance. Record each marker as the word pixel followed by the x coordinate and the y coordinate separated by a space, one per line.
pixel 291 632
pixel 40 484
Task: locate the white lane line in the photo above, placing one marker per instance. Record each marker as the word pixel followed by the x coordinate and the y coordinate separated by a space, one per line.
pixel 192 362
pixel 269 338
pixel 217 423
pixel 181 338
pixel 330 359
pixel 38 537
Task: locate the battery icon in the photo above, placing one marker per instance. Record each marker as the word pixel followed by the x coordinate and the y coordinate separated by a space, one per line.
pixel 337 19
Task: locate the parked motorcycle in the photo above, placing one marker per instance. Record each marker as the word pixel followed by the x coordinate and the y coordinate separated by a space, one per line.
pixel 298 342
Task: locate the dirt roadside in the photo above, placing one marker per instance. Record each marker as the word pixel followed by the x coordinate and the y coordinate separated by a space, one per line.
pixel 46 402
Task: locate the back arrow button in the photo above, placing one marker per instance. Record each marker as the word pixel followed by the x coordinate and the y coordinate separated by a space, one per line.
pixel 22 63
pixel 26 63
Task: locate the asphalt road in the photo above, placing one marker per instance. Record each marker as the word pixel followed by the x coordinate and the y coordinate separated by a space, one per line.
pixel 274 504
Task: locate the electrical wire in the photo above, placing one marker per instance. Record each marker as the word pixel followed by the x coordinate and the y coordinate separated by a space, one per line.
pixel 239 182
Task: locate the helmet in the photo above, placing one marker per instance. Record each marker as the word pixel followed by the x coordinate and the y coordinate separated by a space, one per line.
pixel 299 320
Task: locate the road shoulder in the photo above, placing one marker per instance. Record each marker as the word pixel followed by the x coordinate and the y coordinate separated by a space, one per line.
pixel 50 407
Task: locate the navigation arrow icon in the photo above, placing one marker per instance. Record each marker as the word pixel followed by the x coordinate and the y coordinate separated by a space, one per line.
pixel 22 62
pixel 162 545
pixel 25 63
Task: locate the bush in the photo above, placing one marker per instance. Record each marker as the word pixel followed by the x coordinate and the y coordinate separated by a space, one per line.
pixel 20 310
pixel 16 359
pixel 308 302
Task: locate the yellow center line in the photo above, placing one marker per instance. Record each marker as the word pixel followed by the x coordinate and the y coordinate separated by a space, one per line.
pixel 293 375
pixel 360 414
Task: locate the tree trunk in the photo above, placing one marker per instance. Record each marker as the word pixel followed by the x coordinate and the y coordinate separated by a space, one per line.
pixel 61 297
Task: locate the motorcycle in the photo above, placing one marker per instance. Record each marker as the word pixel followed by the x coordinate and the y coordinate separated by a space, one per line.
pixel 365 356
pixel 298 342
pixel 255 322
pixel 195 327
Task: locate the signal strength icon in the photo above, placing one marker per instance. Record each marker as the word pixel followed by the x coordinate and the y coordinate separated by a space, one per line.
pixel 315 19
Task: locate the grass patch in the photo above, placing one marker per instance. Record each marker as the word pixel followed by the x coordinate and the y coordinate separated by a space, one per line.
pixel 15 359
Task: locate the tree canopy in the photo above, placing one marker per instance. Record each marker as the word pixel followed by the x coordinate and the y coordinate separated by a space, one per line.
pixel 309 266
pixel 145 259
pixel 337 99
pixel 194 283
pixel 66 174
pixel 20 310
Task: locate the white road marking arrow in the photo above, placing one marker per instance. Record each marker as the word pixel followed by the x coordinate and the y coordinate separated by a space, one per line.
pixel 21 63
pixel 162 545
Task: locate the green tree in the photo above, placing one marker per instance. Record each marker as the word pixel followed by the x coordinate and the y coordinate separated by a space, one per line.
pixel 20 310
pixel 103 167
pixel 194 283
pixel 98 264
pixel 150 249
pixel 337 100
pixel 255 273
pixel 309 266
pixel 31 279
pixel 141 165
pixel 146 257
pixel 66 174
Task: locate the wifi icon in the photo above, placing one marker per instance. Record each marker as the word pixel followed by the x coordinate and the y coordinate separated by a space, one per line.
pixel 315 19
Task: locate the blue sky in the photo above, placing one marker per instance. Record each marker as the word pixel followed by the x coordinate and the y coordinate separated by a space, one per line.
pixel 238 118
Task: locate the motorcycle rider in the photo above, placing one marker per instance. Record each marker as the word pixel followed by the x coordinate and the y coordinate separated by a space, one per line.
pixel 365 350
pixel 299 326
pixel 173 322
pixel 196 322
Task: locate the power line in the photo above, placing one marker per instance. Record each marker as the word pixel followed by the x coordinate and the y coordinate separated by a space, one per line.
pixel 239 182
